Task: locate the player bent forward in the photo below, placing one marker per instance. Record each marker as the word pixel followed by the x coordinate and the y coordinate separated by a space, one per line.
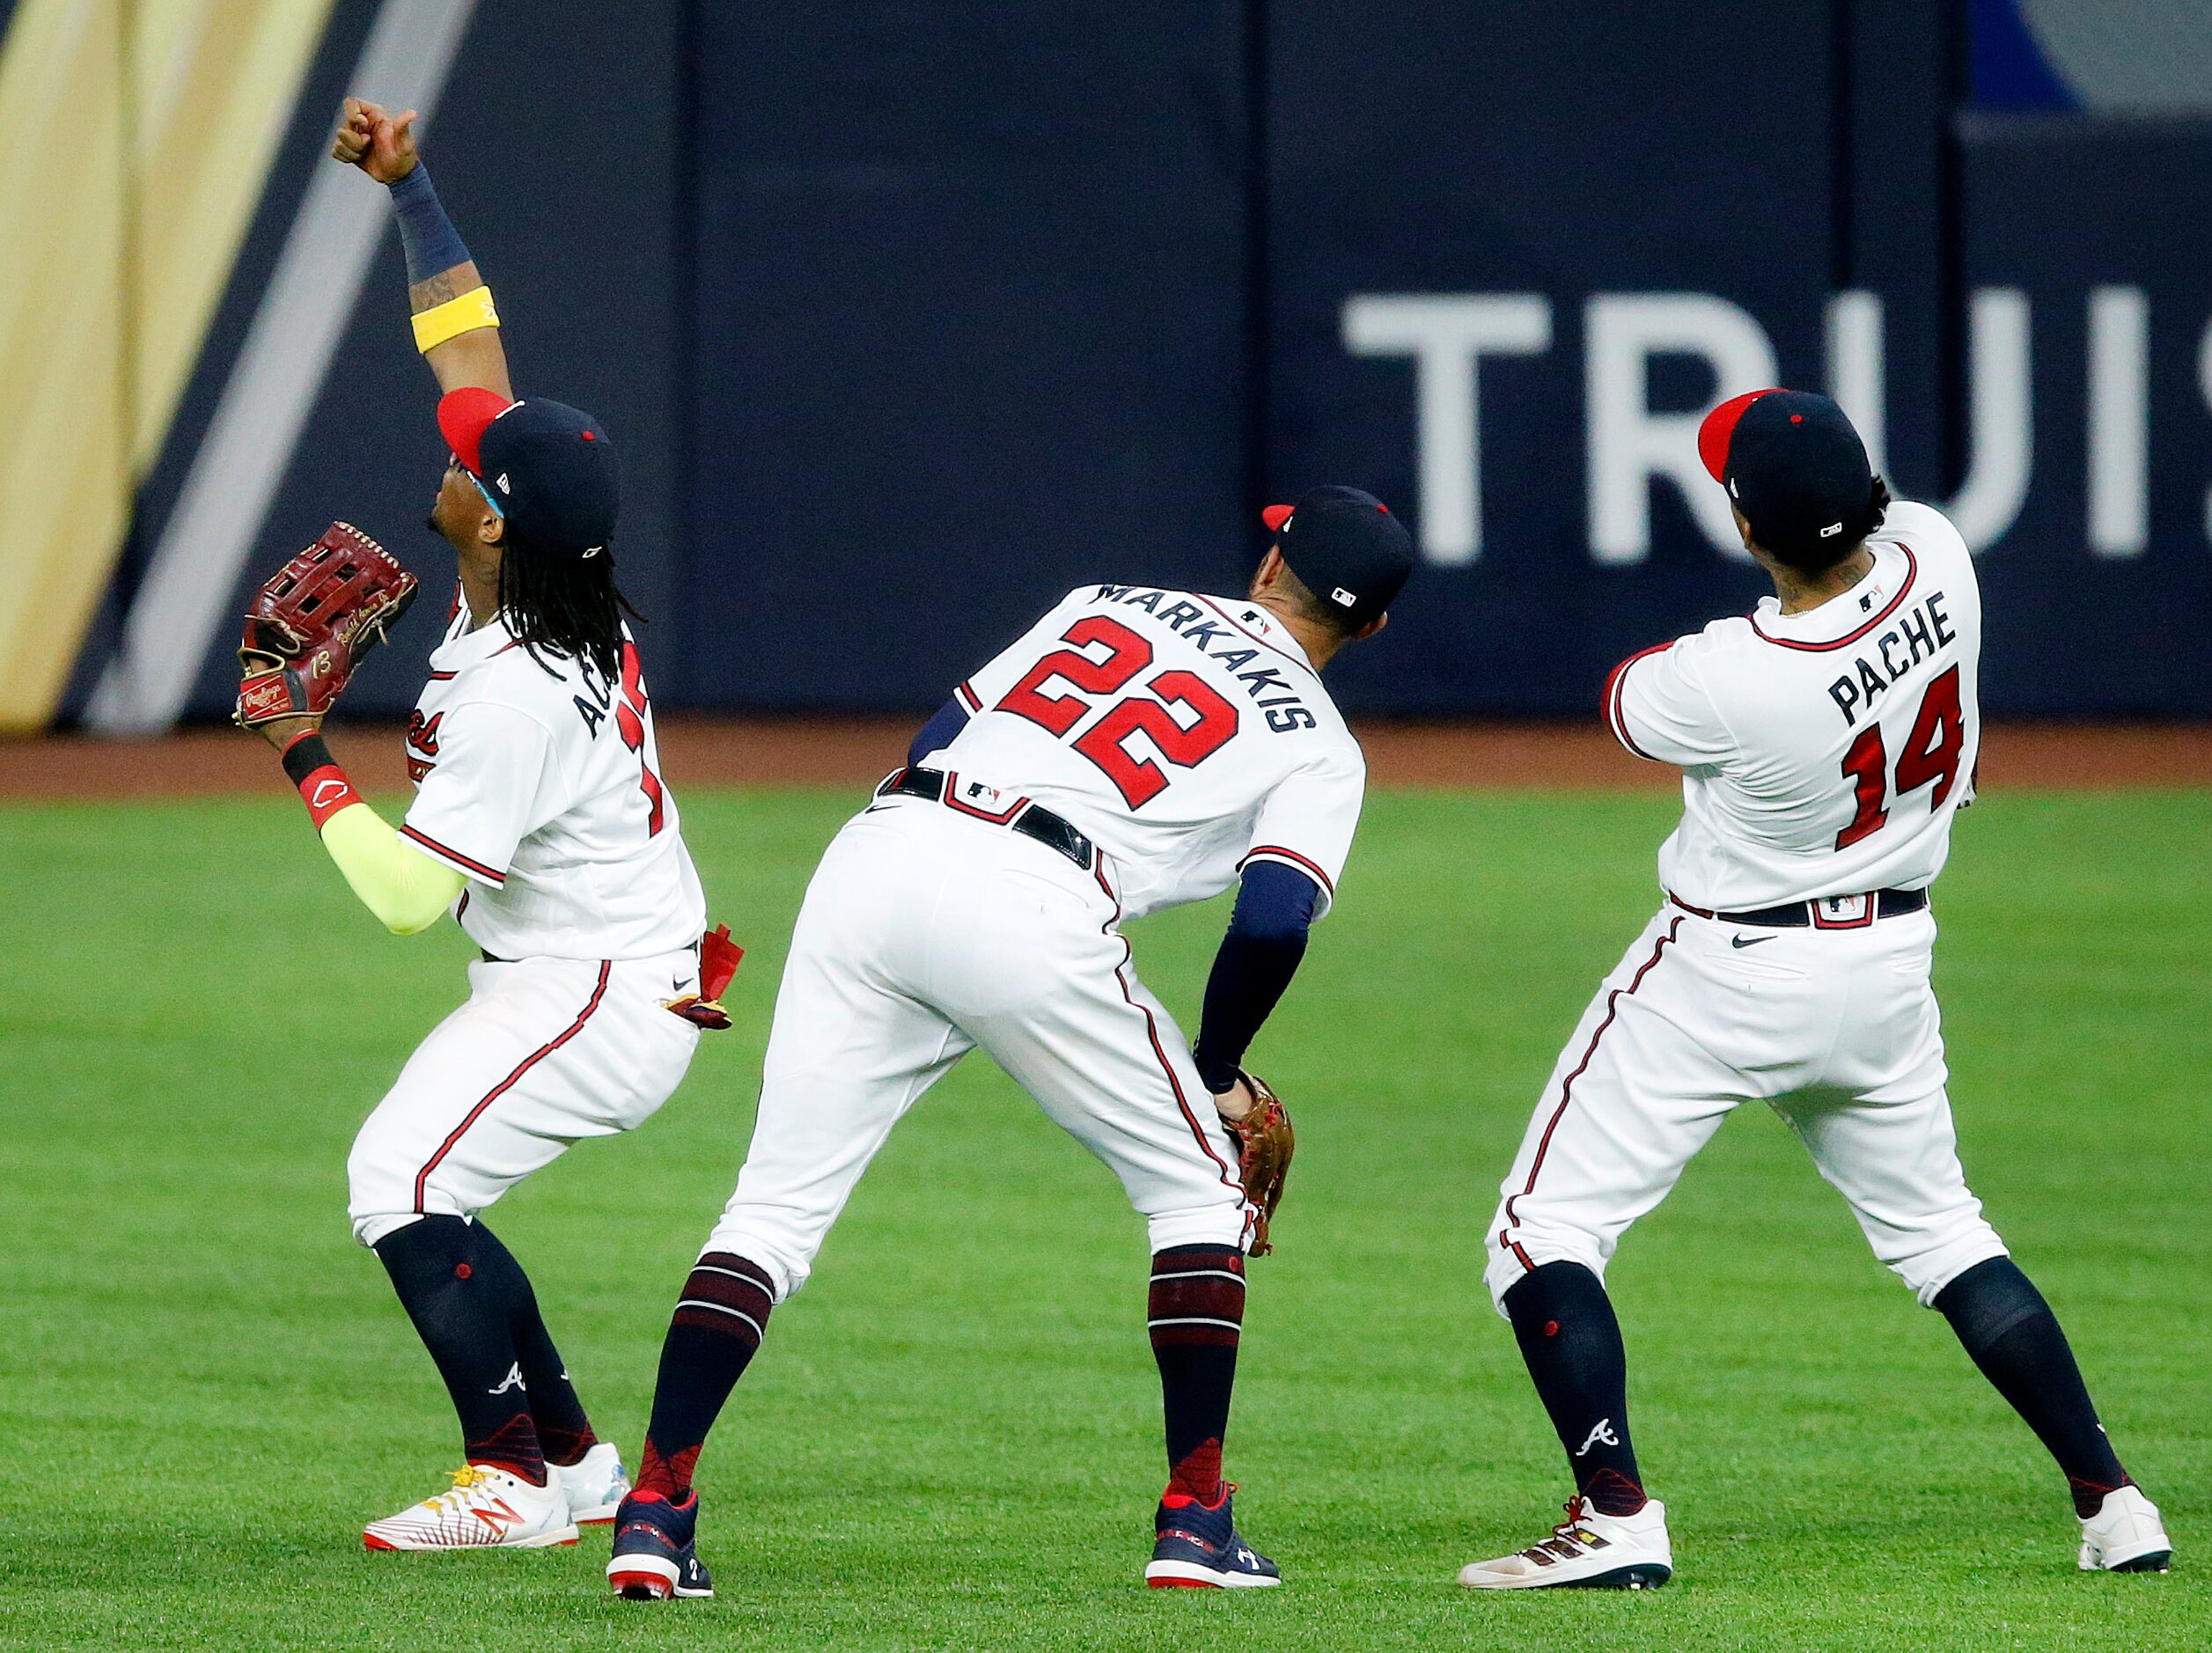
pixel 539 820
pixel 1826 741
pixel 1137 749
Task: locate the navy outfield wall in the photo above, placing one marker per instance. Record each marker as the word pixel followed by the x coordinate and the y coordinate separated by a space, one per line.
pixel 972 307
pixel 1465 226
pixel 908 321
pixel 2099 596
pixel 971 329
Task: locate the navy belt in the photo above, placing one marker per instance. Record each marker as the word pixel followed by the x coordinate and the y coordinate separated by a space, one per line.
pixel 490 957
pixel 1031 820
pixel 1807 915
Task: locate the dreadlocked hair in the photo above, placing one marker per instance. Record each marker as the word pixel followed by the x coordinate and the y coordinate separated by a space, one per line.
pixel 565 605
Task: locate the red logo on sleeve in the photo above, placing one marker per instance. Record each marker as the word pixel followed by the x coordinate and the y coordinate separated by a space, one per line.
pixel 421 743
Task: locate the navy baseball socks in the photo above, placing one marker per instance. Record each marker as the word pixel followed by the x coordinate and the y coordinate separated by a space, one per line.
pixel 720 1319
pixel 474 1309
pixel 1614 1537
pixel 466 1296
pixel 2011 1334
pixel 1571 1343
pixel 1194 1310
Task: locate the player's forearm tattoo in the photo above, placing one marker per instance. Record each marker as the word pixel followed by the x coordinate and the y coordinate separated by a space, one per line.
pixel 446 284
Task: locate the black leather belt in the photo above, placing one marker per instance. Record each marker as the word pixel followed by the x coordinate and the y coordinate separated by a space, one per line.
pixel 490 957
pixel 1809 916
pixel 1031 820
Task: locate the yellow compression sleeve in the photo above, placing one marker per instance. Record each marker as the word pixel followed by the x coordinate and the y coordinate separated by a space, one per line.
pixel 402 886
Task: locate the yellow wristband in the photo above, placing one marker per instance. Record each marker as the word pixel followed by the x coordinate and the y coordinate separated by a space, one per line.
pixel 456 316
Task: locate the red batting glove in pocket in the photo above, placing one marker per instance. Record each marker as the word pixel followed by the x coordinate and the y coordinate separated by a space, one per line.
pixel 718 959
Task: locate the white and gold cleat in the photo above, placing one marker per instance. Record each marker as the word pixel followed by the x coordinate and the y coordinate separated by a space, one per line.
pixel 484 1508
pixel 2125 1536
pixel 1587 1551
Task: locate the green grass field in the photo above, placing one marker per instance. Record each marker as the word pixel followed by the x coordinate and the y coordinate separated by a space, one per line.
pixel 205 1388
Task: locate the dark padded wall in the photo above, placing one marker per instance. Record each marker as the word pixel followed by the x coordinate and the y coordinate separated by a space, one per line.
pixel 2058 206
pixel 909 319
pixel 1516 148
pixel 971 329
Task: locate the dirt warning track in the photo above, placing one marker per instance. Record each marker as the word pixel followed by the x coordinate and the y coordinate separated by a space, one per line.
pixel 851 752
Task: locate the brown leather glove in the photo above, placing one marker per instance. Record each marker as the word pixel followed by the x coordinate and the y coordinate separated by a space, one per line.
pixel 313 621
pixel 1265 1143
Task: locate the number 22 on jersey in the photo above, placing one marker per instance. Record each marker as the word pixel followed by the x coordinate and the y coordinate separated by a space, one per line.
pixel 1106 742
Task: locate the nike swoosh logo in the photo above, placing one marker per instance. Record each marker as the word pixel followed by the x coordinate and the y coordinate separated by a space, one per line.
pixel 1737 941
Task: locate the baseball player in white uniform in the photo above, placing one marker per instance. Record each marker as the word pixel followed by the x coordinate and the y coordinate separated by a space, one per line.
pixel 1826 741
pixel 1136 749
pixel 539 820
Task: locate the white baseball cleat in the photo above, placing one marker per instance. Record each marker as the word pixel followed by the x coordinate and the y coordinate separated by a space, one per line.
pixel 1587 1551
pixel 596 1484
pixel 484 1508
pixel 2125 1536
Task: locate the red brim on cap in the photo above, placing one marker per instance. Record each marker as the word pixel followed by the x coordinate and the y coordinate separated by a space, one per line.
pixel 463 416
pixel 1719 429
pixel 1275 517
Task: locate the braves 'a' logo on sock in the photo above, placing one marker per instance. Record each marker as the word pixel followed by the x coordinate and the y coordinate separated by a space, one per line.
pixel 1603 1432
pixel 512 1380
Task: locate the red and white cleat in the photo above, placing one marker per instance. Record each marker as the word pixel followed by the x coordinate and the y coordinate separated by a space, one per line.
pixel 1587 1551
pixel 484 1508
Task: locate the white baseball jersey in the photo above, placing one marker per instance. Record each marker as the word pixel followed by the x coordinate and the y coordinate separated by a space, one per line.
pixel 1187 735
pixel 1823 753
pixel 540 780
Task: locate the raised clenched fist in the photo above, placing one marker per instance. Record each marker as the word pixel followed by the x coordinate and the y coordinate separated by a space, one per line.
pixel 380 143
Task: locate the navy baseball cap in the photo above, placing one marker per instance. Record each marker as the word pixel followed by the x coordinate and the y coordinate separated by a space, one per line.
pixel 1345 547
pixel 1796 468
pixel 546 467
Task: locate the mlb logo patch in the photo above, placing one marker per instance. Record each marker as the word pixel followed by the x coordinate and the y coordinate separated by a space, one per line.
pixel 1843 912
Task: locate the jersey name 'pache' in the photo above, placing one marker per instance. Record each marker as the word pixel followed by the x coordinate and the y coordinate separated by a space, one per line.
pixel 1823 753
pixel 1186 734
pixel 540 780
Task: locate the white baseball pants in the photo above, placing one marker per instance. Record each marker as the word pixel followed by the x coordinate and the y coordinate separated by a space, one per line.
pixel 546 1052
pixel 1836 1028
pixel 925 933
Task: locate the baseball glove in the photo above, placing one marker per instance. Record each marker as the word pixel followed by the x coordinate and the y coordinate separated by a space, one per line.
pixel 1265 1142
pixel 313 621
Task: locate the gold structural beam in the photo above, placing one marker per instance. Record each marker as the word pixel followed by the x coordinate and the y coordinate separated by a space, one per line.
pixel 139 135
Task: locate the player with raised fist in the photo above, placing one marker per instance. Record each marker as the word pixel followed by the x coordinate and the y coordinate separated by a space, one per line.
pixel 541 822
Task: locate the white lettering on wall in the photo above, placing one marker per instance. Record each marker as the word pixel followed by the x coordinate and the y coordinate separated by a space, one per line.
pixel 2204 384
pixel 1857 369
pixel 1999 422
pixel 1630 445
pixel 2119 420
pixel 1447 336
